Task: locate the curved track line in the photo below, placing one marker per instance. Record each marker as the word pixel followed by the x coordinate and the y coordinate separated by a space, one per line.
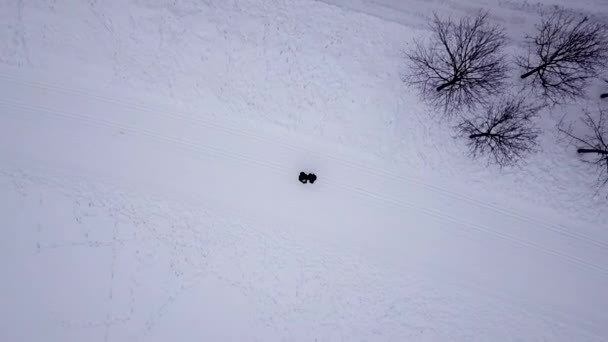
pixel 362 167
pixel 190 146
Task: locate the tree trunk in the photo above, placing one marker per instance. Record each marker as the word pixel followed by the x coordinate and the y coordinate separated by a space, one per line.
pixel 478 135
pixel 603 96
pixel 452 82
pixel 533 71
pixel 592 150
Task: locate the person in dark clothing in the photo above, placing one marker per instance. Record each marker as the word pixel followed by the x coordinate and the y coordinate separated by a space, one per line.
pixel 312 178
pixel 303 178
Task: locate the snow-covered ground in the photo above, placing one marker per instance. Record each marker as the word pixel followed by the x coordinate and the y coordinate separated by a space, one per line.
pixel 149 153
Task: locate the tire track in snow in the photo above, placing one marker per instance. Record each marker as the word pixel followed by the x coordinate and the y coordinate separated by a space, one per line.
pixel 418 11
pixel 365 168
pixel 518 17
pixel 190 146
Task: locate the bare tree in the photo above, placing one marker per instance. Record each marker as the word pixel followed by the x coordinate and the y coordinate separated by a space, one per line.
pixel 503 131
pixel 564 55
pixel 604 95
pixel 462 64
pixel 593 145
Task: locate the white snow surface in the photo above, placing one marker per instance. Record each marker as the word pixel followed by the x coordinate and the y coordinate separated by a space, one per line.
pixel 149 153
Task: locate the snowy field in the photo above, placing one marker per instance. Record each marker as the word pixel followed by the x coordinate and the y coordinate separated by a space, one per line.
pixel 149 153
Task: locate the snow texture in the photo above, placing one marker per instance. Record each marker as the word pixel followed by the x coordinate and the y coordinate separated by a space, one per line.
pixel 149 154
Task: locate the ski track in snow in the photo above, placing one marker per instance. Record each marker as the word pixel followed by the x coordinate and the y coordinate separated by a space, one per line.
pixel 118 254
pixel 369 170
pixel 261 71
pixel 51 95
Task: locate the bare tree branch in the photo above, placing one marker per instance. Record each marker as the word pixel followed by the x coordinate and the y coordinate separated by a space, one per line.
pixel 566 52
pixel 593 145
pixel 462 64
pixel 504 132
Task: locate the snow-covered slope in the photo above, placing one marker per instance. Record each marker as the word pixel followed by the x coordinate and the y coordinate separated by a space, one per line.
pixel 149 153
